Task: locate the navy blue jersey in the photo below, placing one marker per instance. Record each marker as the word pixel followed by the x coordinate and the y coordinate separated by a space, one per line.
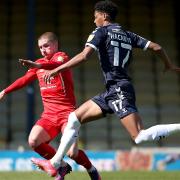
pixel 114 46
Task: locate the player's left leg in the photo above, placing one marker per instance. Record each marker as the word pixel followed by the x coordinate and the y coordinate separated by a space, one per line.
pixel 157 132
pixel 81 158
pixel 133 124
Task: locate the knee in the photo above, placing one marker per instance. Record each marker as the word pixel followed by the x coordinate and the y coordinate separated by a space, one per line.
pixel 32 143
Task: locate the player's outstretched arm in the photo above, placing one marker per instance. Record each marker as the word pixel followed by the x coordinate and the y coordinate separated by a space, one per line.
pixel 19 83
pixel 76 60
pixel 29 63
pixel 2 94
pixel 168 65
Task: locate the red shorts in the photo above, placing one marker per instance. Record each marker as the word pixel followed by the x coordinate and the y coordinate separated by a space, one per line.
pixel 53 124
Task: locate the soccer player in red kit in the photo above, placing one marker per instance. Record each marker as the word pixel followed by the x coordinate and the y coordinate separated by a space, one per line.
pixel 58 101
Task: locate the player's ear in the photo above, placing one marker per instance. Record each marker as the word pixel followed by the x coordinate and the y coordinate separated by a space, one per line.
pixel 106 16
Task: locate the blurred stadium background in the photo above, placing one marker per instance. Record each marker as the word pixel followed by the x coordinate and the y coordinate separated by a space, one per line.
pixel 158 94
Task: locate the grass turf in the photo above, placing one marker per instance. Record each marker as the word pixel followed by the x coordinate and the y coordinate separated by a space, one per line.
pixel 128 175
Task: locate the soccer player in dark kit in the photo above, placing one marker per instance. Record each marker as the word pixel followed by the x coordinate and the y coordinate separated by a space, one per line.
pixel 114 46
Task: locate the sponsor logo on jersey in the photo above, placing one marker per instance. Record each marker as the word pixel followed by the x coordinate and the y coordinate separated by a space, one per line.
pixel 116 30
pixel 91 36
pixel 60 59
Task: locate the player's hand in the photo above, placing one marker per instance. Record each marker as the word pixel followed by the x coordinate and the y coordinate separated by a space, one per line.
pixel 29 63
pixel 172 68
pixel 48 75
pixel 2 93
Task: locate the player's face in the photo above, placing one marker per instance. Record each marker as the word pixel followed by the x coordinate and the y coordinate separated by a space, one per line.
pixel 47 48
pixel 99 18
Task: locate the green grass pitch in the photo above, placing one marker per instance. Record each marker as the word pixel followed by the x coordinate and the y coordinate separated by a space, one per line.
pixel 120 175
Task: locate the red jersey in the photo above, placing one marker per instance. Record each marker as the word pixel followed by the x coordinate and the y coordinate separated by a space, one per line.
pixel 58 95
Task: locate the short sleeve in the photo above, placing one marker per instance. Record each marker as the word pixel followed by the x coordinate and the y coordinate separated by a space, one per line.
pixel 138 41
pixel 95 38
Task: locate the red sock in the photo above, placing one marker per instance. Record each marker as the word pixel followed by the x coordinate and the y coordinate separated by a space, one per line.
pixel 45 150
pixel 83 160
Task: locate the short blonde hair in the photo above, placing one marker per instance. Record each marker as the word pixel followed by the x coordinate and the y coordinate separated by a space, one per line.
pixel 49 35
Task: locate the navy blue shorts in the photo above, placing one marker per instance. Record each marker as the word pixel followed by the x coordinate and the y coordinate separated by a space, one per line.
pixel 118 98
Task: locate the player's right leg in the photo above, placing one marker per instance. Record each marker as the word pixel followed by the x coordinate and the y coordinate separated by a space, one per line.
pixel 89 111
pixel 42 133
pixel 38 139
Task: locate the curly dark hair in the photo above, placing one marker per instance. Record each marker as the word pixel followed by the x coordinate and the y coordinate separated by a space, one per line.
pixel 107 7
